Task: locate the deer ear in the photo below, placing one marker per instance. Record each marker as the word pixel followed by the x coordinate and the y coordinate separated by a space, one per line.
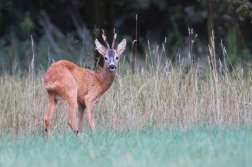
pixel 100 48
pixel 121 47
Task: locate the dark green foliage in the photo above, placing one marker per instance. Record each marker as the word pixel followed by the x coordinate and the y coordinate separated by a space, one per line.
pixel 64 29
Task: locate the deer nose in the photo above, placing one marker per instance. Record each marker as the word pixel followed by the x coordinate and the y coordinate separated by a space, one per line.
pixel 112 67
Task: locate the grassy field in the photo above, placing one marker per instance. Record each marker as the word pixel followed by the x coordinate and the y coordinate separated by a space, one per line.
pixel 177 147
pixel 158 116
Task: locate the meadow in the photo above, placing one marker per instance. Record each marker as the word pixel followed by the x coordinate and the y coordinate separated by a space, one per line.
pixel 160 115
pixel 194 146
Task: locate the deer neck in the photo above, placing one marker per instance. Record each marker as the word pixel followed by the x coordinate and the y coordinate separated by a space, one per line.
pixel 106 78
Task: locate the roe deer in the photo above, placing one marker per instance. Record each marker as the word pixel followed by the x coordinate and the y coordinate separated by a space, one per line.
pixel 81 87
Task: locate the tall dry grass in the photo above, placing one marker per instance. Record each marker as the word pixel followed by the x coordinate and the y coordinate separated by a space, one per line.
pixel 161 96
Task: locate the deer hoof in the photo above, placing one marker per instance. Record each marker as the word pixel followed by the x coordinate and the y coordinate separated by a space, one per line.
pixel 76 132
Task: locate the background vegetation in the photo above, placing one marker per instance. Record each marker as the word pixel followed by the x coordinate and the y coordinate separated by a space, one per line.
pixel 66 29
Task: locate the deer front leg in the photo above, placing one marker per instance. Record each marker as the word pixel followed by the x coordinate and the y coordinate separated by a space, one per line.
pixel 90 113
pixel 81 117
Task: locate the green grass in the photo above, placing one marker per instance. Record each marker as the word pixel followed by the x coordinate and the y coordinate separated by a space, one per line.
pixel 195 146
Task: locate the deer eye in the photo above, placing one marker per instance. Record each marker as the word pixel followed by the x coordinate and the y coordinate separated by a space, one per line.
pixel 105 58
pixel 117 58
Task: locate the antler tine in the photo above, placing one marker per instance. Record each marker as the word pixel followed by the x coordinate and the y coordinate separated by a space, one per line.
pixel 105 40
pixel 113 43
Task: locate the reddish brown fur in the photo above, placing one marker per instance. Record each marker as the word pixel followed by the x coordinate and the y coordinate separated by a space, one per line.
pixel 80 87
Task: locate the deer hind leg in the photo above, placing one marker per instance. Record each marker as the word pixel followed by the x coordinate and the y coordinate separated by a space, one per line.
pixel 90 113
pixel 72 102
pixel 81 117
pixel 49 112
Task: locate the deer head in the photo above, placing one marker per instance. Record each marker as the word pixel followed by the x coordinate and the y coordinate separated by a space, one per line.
pixel 111 55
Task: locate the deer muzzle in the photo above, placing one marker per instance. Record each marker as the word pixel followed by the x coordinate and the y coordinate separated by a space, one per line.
pixel 112 67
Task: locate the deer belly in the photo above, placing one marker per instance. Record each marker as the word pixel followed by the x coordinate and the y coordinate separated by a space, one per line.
pixel 57 97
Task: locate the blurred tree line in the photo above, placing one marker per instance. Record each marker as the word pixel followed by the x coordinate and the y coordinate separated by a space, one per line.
pixel 65 29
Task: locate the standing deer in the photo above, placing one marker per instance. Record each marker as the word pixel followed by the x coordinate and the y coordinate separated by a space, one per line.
pixel 81 87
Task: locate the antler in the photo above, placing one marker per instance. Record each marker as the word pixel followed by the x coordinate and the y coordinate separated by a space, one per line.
pixel 113 43
pixel 105 40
